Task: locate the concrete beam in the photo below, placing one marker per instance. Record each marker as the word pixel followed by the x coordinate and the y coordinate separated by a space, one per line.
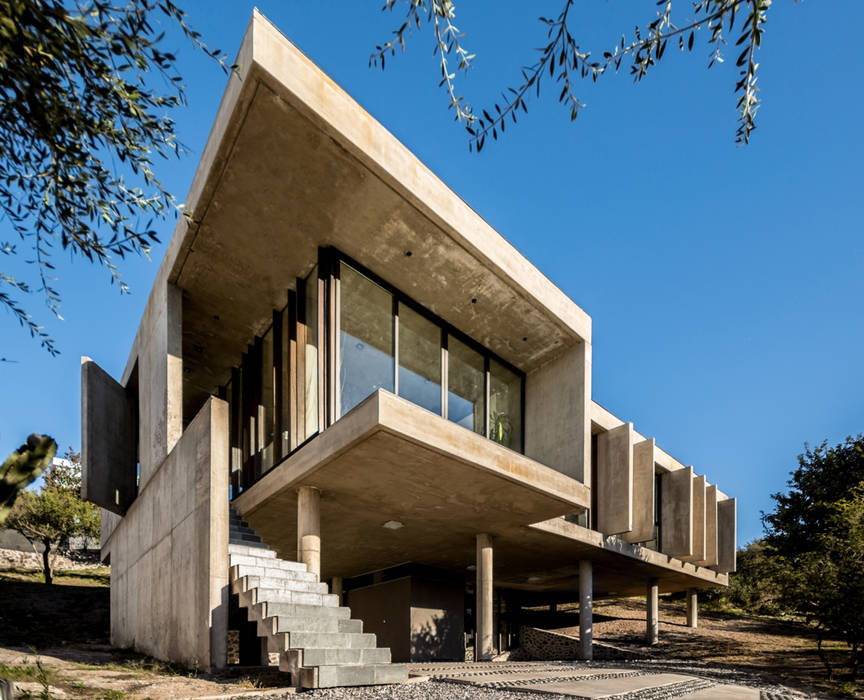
pixel 615 480
pixel 698 515
pixel 652 611
pixel 727 535
pixel 108 440
pixel 483 645
pixel 309 528
pixel 643 493
pixel 710 527
pixel 676 513
pixel 586 610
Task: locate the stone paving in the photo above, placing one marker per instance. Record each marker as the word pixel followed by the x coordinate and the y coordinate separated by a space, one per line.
pixel 589 681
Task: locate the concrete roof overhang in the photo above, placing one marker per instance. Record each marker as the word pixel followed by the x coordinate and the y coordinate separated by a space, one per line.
pixel 391 460
pixel 293 163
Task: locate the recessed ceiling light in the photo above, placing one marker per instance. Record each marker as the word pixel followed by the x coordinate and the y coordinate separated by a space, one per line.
pixel 472 568
pixel 534 579
pixel 393 525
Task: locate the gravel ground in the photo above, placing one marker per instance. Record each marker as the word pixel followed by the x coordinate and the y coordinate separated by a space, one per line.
pixel 429 690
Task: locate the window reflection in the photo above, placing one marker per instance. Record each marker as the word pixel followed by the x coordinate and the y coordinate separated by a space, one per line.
pixel 466 386
pixel 310 360
pixel 419 360
pixel 505 406
pixel 365 339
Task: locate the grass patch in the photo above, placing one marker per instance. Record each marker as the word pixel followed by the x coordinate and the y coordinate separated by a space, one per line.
pixel 99 576
pixel 27 673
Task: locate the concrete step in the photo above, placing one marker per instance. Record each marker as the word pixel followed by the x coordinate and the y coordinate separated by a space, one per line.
pixel 272 609
pixel 245 583
pixel 280 595
pixel 241 570
pixel 330 640
pixel 275 625
pixel 336 676
pixel 239 550
pixel 264 560
pixel 259 545
pixel 333 657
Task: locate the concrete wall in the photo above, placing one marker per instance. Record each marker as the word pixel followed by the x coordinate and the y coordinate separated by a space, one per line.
pixel 615 480
pixel 557 413
pixel 157 353
pixel 169 554
pixel 417 618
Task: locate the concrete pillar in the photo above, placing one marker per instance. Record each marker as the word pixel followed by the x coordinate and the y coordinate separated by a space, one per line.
pixel 336 587
pixel 483 614
pixel 692 608
pixel 309 528
pixel 653 611
pixel 586 610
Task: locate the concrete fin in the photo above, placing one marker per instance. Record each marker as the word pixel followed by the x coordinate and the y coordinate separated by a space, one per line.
pixel 727 535
pixel 710 527
pixel 615 480
pixel 698 514
pixel 676 520
pixel 643 493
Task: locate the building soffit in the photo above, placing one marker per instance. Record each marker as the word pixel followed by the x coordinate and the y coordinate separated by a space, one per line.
pixel 293 163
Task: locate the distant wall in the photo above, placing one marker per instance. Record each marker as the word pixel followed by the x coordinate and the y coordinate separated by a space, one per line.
pixel 169 553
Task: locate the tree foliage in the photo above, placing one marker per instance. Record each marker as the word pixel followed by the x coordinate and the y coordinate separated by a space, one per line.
pixel 564 61
pixel 22 468
pixel 816 532
pixel 82 120
pixel 56 514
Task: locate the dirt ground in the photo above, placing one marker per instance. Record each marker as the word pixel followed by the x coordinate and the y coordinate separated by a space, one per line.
pixel 66 627
pixel 783 652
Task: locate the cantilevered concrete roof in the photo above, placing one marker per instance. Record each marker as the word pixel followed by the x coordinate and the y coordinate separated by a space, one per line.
pixel 293 163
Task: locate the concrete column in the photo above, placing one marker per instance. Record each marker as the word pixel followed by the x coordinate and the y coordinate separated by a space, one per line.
pixel 336 587
pixel 653 612
pixel 586 610
pixel 309 528
pixel 483 613
pixel 692 608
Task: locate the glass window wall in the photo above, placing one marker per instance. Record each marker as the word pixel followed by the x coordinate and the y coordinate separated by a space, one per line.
pixel 419 359
pixel 466 386
pixel 365 339
pixel 505 406
pixel 310 359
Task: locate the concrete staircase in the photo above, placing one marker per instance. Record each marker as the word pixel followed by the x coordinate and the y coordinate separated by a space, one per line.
pixel 317 641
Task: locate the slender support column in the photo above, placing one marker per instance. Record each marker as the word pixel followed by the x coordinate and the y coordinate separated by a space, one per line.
pixel 336 587
pixel 653 605
pixel 483 643
pixel 309 528
pixel 692 608
pixel 586 610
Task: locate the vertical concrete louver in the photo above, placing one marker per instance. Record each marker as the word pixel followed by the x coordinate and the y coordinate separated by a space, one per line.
pixel 317 642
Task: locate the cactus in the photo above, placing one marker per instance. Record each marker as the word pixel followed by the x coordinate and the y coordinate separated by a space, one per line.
pixel 22 468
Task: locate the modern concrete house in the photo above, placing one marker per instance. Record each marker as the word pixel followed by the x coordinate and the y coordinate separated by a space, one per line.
pixel 356 425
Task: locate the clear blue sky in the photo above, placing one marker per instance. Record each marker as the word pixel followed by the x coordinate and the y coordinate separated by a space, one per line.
pixel 726 284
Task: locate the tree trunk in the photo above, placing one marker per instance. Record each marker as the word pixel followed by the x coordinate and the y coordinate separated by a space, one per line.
pixel 46 562
pixel 822 655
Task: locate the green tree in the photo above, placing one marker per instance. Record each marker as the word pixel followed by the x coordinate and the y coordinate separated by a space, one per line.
pixel 817 531
pixel 55 514
pixel 756 585
pixel 22 468
pixel 80 126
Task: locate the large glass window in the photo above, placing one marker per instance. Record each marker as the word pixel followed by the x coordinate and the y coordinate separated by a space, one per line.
pixel 419 359
pixel 310 359
pixel 466 386
pixel 505 406
pixel 365 339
